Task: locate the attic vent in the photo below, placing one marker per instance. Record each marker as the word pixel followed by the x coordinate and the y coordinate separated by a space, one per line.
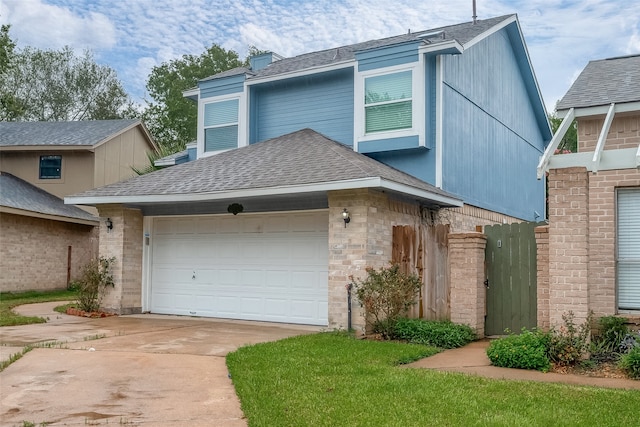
pixel 432 35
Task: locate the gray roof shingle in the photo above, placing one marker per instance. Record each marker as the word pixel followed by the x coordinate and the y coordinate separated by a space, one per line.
pixel 298 158
pixel 462 33
pixel 86 132
pixel 605 81
pixel 19 194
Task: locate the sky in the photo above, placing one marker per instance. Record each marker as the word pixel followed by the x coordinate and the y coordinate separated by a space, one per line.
pixel 133 36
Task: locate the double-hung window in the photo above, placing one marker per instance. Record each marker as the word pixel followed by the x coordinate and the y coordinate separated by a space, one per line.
pixel 221 125
pixel 388 100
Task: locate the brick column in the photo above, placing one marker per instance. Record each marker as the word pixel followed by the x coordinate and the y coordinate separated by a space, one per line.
pixel 542 260
pixel 124 242
pixel 466 266
pixel 568 244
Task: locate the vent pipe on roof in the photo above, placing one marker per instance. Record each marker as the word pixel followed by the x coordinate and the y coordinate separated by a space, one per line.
pixel 475 16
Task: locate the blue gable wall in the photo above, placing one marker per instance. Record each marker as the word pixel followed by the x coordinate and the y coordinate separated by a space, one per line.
pixel 491 138
pixel 222 86
pixel 322 102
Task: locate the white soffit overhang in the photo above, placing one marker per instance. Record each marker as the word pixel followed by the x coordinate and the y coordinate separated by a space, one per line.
pixel 374 182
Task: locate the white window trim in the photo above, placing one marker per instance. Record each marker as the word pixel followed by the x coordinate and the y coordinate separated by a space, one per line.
pixel 417 103
pixel 242 122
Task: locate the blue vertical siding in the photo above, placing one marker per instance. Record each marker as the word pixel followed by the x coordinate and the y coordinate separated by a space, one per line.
pixel 322 102
pixel 491 137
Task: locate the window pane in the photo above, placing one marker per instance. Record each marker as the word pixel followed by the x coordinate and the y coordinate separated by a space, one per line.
pixel 50 167
pixel 222 138
pixel 388 117
pixel 628 241
pixel 389 87
pixel 221 113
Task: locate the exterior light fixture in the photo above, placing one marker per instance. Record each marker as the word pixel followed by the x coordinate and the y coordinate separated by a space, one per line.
pixel 345 217
pixel 109 224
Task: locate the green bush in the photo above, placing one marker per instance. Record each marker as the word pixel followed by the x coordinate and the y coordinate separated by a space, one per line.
pixel 92 285
pixel 570 343
pixel 443 334
pixel 630 363
pixel 525 351
pixel 386 295
pixel 605 345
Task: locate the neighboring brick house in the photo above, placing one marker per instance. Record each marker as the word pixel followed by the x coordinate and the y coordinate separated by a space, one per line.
pixel 443 126
pixel 42 242
pixel 592 242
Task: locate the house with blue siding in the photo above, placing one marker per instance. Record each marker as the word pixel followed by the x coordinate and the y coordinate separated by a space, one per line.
pixel 304 165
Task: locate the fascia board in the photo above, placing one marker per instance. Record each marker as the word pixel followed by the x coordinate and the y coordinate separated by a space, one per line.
pixel 450 46
pixel 373 182
pixel 33 214
pixel 623 158
pixel 601 110
pixel 301 73
pixel 46 148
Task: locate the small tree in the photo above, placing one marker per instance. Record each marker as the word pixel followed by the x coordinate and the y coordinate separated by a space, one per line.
pixel 386 295
pixel 92 286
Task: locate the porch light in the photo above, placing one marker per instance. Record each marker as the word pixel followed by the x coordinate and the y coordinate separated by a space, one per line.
pixel 345 217
pixel 109 224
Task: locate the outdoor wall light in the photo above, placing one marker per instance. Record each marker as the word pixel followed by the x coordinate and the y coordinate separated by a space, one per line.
pixel 109 224
pixel 345 217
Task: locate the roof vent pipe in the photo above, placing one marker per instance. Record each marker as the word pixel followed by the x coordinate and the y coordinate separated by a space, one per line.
pixel 475 16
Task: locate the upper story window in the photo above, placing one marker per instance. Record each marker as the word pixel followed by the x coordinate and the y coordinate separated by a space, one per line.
pixel 388 102
pixel 389 106
pixel 50 167
pixel 221 125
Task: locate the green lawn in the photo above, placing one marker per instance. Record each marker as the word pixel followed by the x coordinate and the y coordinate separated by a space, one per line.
pixel 332 379
pixel 8 300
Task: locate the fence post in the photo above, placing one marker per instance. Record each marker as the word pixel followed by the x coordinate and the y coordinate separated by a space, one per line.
pixel 466 266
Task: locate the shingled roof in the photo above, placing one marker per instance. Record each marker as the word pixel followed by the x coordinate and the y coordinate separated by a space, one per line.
pixel 301 161
pixel 605 81
pixel 461 33
pixel 18 194
pixel 76 133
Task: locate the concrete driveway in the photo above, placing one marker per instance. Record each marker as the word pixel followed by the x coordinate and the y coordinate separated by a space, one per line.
pixel 127 370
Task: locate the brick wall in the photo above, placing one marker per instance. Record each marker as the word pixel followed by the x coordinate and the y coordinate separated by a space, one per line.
pixel 34 252
pixel 467 217
pixel 365 242
pixel 124 242
pixel 466 273
pixel 623 133
pixel 581 272
pixel 542 262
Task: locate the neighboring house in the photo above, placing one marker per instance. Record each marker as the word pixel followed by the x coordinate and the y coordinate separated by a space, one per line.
pixel 43 242
pixel 64 158
pixel 43 246
pixel 593 237
pixel 437 126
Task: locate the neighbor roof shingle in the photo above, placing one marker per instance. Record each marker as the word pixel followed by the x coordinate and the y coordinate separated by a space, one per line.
pixel 19 194
pixel 298 158
pixel 605 81
pixel 85 132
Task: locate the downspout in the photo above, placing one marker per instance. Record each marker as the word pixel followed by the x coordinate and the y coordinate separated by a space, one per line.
pixel 349 287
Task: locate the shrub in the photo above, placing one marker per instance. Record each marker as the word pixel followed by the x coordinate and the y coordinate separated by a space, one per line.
pixel 525 351
pixel 630 363
pixel 568 345
pixel 605 346
pixel 386 294
pixel 443 334
pixel 92 286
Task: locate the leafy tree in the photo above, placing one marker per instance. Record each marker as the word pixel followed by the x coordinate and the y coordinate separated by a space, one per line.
pixel 570 140
pixel 58 85
pixel 170 117
pixel 10 107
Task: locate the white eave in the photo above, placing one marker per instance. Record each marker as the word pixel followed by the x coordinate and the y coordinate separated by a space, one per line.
pixel 374 182
pixel 599 159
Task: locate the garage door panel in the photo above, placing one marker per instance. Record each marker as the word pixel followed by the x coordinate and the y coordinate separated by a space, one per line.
pixel 263 267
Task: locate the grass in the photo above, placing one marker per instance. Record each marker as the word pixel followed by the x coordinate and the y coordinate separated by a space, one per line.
pixel 332 379
pixel 9 300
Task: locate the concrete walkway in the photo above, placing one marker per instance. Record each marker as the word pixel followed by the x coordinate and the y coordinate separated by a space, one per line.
pixel 472 359
pixel 133 370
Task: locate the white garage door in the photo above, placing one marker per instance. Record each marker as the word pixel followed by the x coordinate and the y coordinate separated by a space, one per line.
pixel 269 267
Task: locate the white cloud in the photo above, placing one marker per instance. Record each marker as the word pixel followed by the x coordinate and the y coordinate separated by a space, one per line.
pixel 36 23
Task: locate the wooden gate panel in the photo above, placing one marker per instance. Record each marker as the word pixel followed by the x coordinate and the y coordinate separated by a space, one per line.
pixel 511 277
